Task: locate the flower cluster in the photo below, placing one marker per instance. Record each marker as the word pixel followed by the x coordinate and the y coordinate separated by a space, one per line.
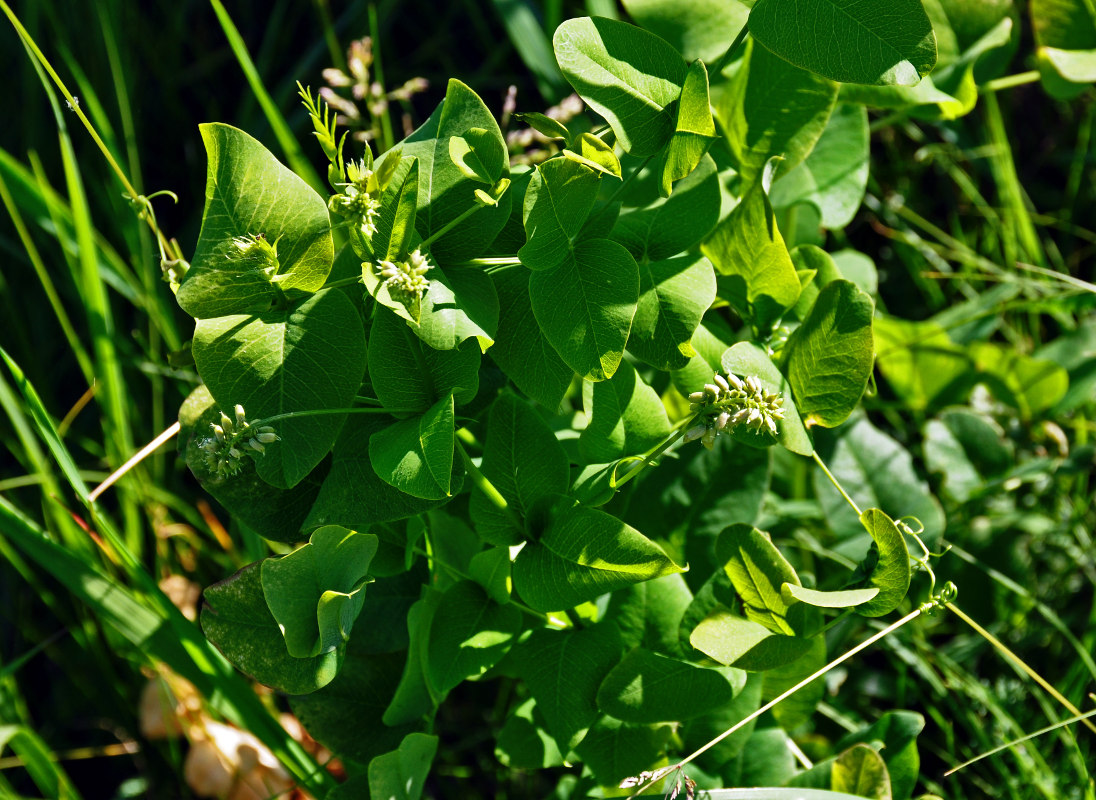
pixel 355 202
pixel 406 280
pixel 255 250
pixel 225 449
pixel 730 402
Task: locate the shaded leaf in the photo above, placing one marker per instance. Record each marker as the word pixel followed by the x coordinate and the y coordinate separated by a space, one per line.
pixel 626 417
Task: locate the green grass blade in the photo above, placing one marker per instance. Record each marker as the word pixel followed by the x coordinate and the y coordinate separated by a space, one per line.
pixel 533 46
pixel 297 162
pixel 36 757
pixel 162 633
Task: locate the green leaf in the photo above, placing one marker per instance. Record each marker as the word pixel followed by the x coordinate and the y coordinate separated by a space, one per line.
pixel 40 762
pixel 460 303
pixel 557 203
pixel 846 598
pixel 585 658
pixel 545 125
pixel 584 553
pixel 669 225
pixel 745 359
pixel 897 732
pixel 521 350
pixel 674 294
pixel 593 152
pixel 309 357
pixel 396 217
pixel 345 716
pixel 738 642
pixel 480 155
pixel 316 592
pixel 759 127
pixel 694 130
pixel 249 192
pixel 447 192
pixel 647 687
pixel 491 570
pixel 1065 38
pixel 469 634
pixel 413 697
pixel 615 750
pixel 416 455
pixel 401 774
pixel 828 359
pixel 236 618
pixel 524 742
pixel 925 98
pixel 650 615
pixel 625 417
pixel 1031 385
pixel 835 173
pixel 699 731
pixel 919 361
pixel 877 472
pixel 797 709
pixel 353 495
pixel 849 41
pixel 860 771
pixel 625 74
pixel 524 461
pixel 968 450
pixel 695 28
pixel 409 377
pixel 758 570
pixel 891 572
pixel 276 514
pixel 584 306
pixel 748 247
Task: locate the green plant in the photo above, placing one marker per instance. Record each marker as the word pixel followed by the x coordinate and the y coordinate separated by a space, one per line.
pixel 488 451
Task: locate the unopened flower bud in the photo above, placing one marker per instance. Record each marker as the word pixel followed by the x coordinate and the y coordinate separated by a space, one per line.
pixel 255 444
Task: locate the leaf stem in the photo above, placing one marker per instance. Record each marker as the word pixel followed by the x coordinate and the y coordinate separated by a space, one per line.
pixel 342 282
pixel 781 697
pixel 726 59
pixel 496 261
pixel 1035 676
pixel 624 183
pixel 323 411
pixel 1009 81
pixel 648 458
pixel 837 485
pixel 449 226
pixel 488 488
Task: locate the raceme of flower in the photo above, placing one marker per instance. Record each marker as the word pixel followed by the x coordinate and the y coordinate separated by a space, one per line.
pixel 406 280
pixel 355 202
pixel 729 402
pixel 225 449
pixel 257 250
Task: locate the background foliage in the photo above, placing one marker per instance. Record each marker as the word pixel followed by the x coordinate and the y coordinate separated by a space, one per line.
pixel 952 205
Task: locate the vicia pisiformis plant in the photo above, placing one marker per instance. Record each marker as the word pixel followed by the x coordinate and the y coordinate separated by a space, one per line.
pixel 486 381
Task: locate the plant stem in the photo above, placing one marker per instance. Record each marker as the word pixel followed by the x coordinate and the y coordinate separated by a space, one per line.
pixel 726 59
pixel 780 698
pixel 624 183
pixel 839 487
pixel 496 261
pixel 323 411
pixel 488 488
pixel 1035 676
pixel 1009 81
pixel 647 459
pixel 448 227
pixel 342 282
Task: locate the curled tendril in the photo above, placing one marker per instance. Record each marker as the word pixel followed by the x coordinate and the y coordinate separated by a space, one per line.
pixel 947 595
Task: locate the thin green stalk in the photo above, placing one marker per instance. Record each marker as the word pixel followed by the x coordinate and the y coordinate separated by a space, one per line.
pixel 389 137
pixel 624 183
pixel 1009 745
pixel 487 488
pixel 785 695
pixel 334 50
pixel 837 485
pixel 648 458
pixel 1031 673
pixel 449 226
pixel 1008 182
pixel 737 43
pixel 1009 82
pixel 292 149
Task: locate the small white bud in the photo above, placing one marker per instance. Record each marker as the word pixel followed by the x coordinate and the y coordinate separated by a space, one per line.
pixel 241 418
pixel 226 423
pixel 232 451
pixel 698 397
pixel 722 420
pixel 266 437
pixel 722 382
pixel 219 432
pixel 694 433
pixel 255 445
pixel 708 439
